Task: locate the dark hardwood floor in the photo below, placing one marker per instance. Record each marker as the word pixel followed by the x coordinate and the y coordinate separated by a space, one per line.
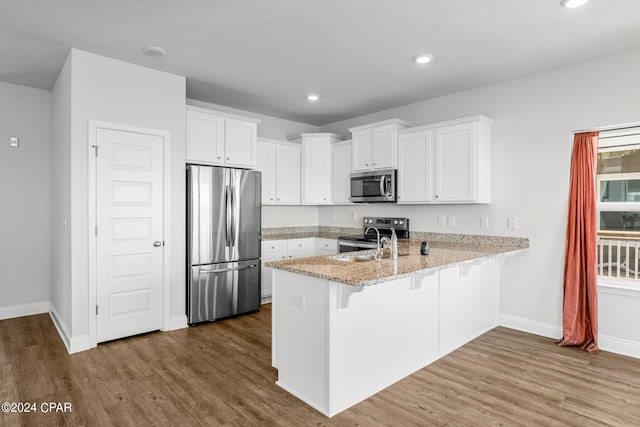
pixel 220 374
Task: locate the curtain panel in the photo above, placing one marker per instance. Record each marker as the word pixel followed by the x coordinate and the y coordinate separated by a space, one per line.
pixel 580 304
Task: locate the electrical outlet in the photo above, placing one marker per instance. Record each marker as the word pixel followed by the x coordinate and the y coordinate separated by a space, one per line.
pixel 442 221
pixel 484 222
pixel 513 223
pixel 14 141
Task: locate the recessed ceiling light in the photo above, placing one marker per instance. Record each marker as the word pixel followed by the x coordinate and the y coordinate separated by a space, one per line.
pixel 423 59
pixel 572 3
pixel 313 97
pixel 154 51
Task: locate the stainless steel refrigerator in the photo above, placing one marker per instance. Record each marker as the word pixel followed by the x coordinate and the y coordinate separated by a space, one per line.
pixel 223 242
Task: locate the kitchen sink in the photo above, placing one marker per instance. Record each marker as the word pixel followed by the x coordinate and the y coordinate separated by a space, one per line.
pixel 359 258
pixel 363 258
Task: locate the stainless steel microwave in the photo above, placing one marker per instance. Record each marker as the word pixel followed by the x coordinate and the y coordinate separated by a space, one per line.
pixel 374 186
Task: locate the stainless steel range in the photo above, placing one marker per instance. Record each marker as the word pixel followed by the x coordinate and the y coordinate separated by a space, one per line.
pixel 369 239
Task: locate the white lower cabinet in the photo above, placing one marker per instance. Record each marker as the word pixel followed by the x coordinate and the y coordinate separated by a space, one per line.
pixel 326 246
pixel 272 250
pixel 276 250
pixel 447 162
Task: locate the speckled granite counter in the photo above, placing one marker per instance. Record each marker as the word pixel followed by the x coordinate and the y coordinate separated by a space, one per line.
pixel 409 262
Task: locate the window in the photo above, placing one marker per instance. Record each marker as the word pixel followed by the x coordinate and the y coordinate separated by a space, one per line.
pixel 618 197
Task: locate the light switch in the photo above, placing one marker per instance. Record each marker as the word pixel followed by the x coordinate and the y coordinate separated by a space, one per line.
pixel 14 141
pixel 484 222
pixel 451 221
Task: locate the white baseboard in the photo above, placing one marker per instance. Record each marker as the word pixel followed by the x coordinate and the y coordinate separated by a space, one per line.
pixel 24 310
pixel 61 327
pixel 73 344
pixel 543 329
pixel 178 322
pixel 80 343
pixel 606 343
pixel 619 346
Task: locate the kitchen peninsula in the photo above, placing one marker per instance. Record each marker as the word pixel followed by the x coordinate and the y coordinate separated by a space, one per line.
pixel 346 326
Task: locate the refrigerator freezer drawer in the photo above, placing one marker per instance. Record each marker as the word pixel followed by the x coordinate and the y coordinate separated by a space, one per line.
pixel 222 290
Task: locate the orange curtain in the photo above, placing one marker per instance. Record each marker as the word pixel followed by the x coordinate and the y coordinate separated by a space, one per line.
pixel 580 306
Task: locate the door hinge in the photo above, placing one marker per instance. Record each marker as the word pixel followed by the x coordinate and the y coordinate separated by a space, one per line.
pixel 95 150
pixel 96 230
pixel 96 309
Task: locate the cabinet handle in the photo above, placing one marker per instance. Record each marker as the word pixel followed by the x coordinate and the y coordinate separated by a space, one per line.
pixel 228 158
pixel 436 196
pixel 272 198
pixel 366 164
pixel 219 157
pixel 273 247
pixel 374 164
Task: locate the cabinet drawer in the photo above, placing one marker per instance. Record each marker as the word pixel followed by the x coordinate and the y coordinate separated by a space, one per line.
pixel 299 244
pixel 271 246
pixel 327 244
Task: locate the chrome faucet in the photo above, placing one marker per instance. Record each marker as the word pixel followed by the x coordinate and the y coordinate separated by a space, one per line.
pixel 378 249
pixel 393 244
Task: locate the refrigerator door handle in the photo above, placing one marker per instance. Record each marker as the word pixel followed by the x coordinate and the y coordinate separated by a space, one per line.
pixel 224 270
pixel 234 212
pixel 227 217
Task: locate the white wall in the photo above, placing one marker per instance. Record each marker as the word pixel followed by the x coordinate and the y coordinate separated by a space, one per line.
pixel 61 200
pixel 25 266
pixel 534 118
pixel 113 91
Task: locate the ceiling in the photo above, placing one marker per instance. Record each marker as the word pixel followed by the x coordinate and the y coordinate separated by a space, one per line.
pixel 267 56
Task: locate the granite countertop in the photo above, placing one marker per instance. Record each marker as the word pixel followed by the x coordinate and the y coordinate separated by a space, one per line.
pixel 410 262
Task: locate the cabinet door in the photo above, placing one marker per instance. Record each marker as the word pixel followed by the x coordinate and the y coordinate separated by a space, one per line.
pixel 361 144
pixel 287 175
pixel 204 138
pixel 266 163
pixel 316 153
pixel 455 163
pixel 341 183
pixel 272 250
pixel 415 173
pixel 240 143
pixel 383 147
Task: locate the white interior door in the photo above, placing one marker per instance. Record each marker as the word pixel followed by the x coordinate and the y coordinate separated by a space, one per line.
pixel 129 241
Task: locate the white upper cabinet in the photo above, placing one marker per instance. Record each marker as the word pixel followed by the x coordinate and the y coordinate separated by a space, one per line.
pixel 317 168
pixel 415 173
pixel 220 139
pixel 341 179
pixel 374 145
pixel 447 162
pixel 279 163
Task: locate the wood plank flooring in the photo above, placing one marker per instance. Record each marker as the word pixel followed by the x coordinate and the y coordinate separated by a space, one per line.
pixel 220 374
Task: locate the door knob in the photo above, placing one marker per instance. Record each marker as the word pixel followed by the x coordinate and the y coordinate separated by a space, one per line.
pixel 157 243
